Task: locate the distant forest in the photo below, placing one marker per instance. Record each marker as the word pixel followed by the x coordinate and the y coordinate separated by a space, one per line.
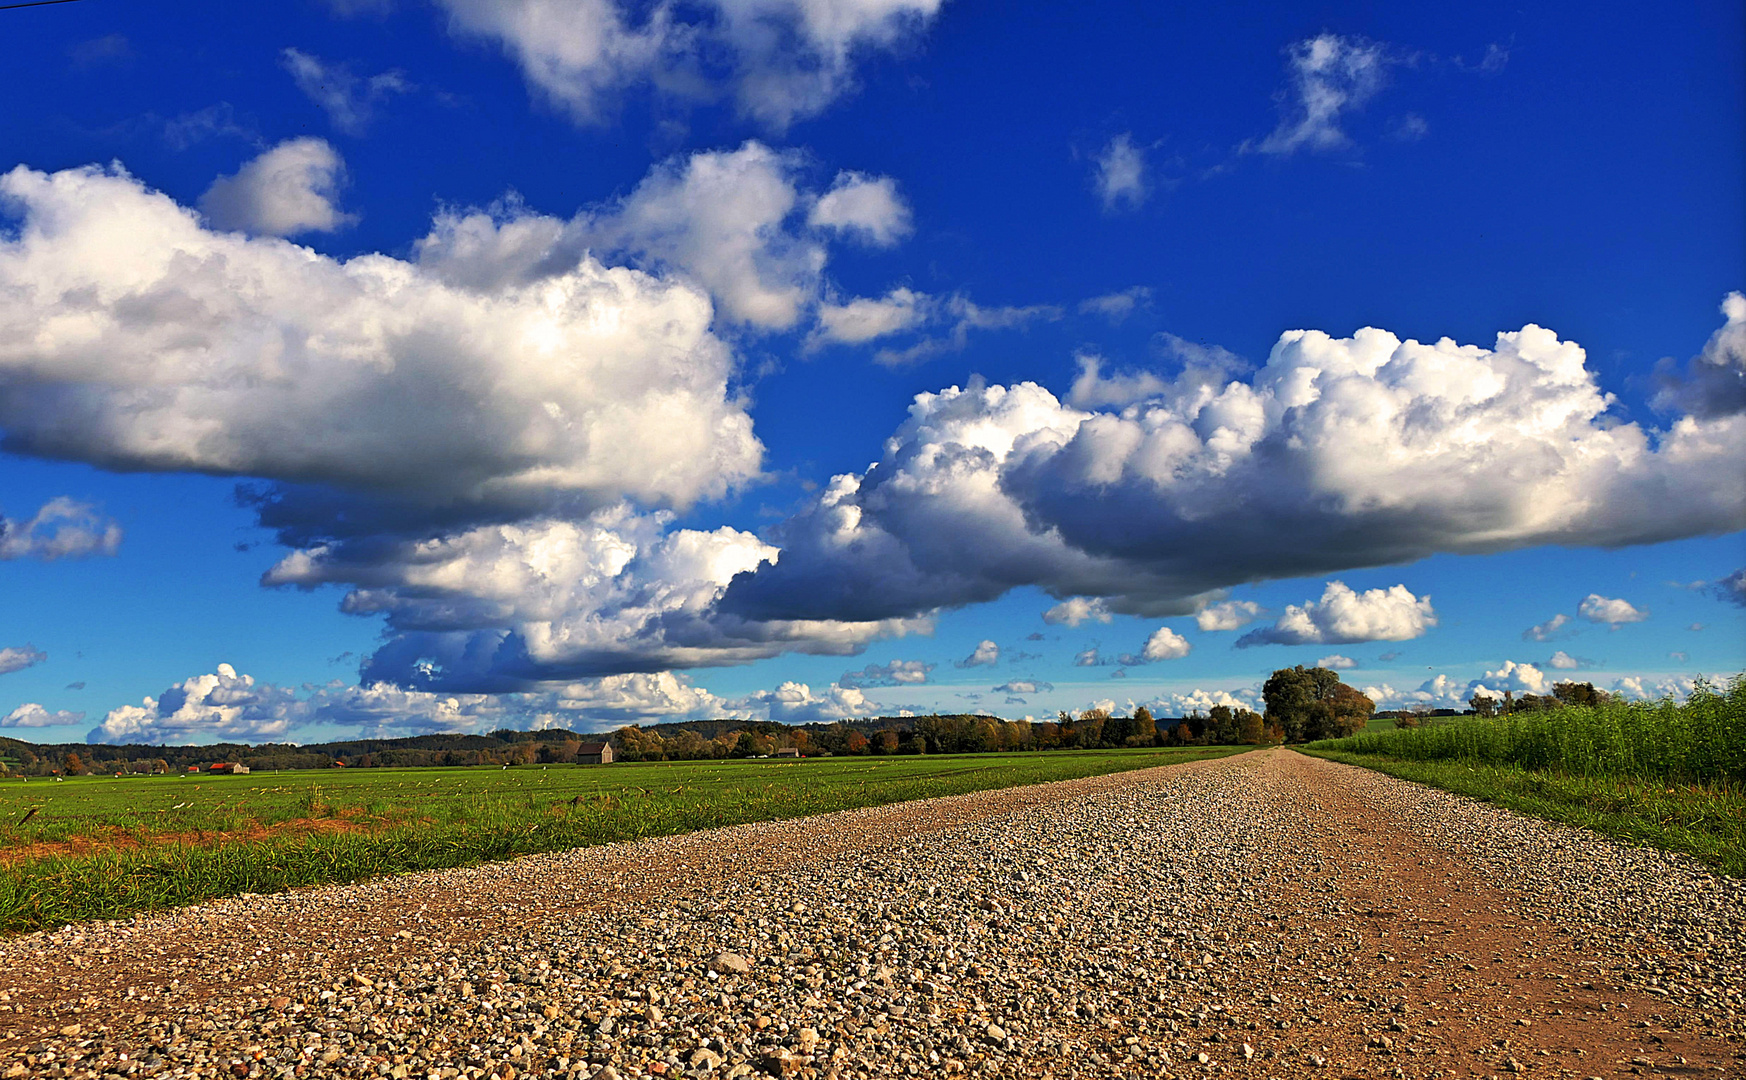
pixel 691 740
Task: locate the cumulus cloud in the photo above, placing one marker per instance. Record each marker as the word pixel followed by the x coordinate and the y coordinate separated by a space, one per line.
pixel 1091 389
pixel 1550 630
pixel 1077 609
pixel 1023 686
pixel 1330 76
pixel 32 715
pixel 63 529
pixel 958 317
pixel 986 653
pixel 513 606
pixel 742 224
pixel 1163 644
pixel 1563 661
pixel 1651 688
pixel 1343 616
pixel 864 319
pixel 795 703
pixel 1366 450
pixel 18 657
pixel 1731 588
pixel 1337 662
pixel 1203 701
pixel 778 60
pixel 1117 306
pixel 895 673
pixel 1227 615
pixel 866 207
pixel 1714 382
pixel 1120 178
pixel 1615 613
pixel 292 188
pixel 349 100
pixel 133 338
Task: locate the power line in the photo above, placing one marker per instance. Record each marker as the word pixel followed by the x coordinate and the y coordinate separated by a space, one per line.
pixel 34 3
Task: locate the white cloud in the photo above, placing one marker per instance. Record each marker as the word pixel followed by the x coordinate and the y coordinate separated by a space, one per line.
pixel 1550 630
pixel 292 188
pixel 1439 692
pixel 1731 588
pixel 220 706
pixel 349 100
pixel 1077 609
pixel 1228 615
pixel 32 715
pixel 741 224
pixel 1367 451
pixel 1163 644
pixel 1088 658
pixel 1518 678
pixel 1337 662
pixel 864 319
pixel 1117 306
pixel 780 60
pixel 1120 180
pixel 267 360
pixel 959 316
pixel 1331 75
pixel 895 673
pixel 867 207
pixel 1203 701
pixel 795 703
pixel 519 606
pixel 1650 688
pixel 986 653
pixel 1023 686
pixel 1563 661
pixel 1714 383
pixel 18 657
pixel 63 529
pixel 1342 616
pixel 1615 613
pixel 1092 390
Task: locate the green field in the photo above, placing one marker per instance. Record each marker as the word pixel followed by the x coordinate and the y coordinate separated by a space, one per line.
pixel 105 847
pixel 1663 773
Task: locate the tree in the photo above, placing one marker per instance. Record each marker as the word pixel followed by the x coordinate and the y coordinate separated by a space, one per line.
pixel 1145 728
pixel 1483 705
pixel 71 765
pixel 1312 703
pixel 1575 693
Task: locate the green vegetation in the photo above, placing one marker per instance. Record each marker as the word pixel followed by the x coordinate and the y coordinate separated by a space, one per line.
pixel 1662 773
pixel 104 847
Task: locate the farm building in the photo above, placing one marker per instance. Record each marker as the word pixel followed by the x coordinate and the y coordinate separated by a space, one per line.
pixel 788 752
pixel 594 753
pixel 227 768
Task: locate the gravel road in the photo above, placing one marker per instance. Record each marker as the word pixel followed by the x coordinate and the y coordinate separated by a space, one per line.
pixel 1268 915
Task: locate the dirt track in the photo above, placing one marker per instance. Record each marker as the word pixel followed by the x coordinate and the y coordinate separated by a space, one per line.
pixel 1271 914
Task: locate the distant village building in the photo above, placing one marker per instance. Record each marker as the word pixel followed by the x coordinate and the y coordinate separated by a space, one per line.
pixel 787 751
pixel 227 768
pixel 594 753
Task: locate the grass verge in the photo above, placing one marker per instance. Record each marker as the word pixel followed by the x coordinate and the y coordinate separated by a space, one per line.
pixel 433 819
pixel 1708 824
pixel 1664 773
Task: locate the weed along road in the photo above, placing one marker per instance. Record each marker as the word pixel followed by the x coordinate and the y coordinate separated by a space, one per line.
pixel 1267 915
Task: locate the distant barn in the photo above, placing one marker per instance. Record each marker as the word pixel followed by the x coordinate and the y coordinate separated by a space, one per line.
pixel 594 753
pixel 788 751
pixel 227 768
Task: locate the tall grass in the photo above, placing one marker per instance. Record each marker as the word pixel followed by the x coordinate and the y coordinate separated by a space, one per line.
pixel 1668 774
pixel 1702 741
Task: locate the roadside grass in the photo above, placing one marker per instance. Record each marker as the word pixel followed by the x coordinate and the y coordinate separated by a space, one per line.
pixel 1667 774
pixel 106 847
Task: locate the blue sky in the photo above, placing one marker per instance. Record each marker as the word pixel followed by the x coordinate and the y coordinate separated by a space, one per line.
pixel 386 366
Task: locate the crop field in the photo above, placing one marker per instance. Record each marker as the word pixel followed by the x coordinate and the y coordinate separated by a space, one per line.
pixel 1663 773
pixel 105 847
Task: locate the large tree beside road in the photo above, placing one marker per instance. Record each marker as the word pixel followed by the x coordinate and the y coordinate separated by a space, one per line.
pixel 1312 703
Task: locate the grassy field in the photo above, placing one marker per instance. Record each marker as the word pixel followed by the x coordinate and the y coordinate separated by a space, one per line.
pixel 1672 775
pixel 105 847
